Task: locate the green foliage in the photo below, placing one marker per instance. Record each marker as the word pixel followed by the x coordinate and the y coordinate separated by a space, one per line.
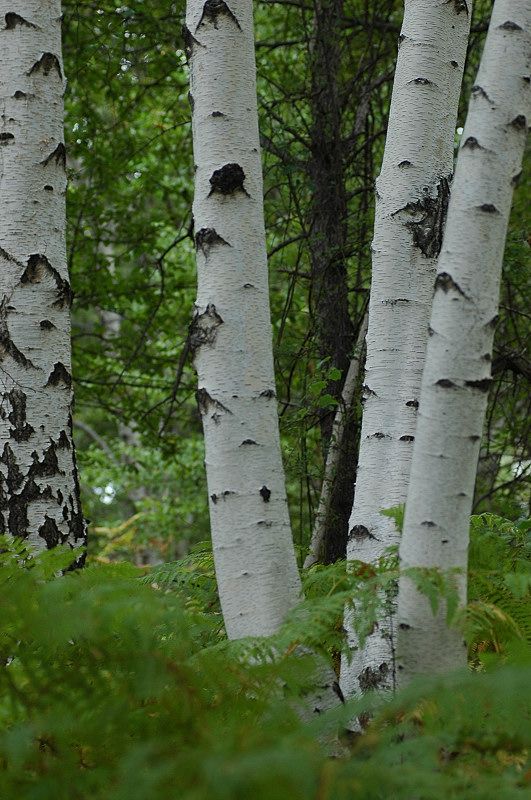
pixel 118 687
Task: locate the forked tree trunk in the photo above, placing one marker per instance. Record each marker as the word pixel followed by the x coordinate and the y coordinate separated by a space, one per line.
pixel 458 360
pixel 231 333
pixel 39 494
pixel 411 201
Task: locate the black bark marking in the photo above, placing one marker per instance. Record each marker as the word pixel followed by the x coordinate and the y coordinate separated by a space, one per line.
pixel 445 282
pixel 509 26
pixel 486 357
pixel 206 238
pixel 218 114
pixel 48 188
pixel 7 346
pixel 444 383
pixel 48 467
pixel 428 228
pixel 265 494
pixel 421 82
pixel 37 266
pixel 266 523
pixel 50 532
pixel 214 9
pixel 63 441
pixel 46 63
pixel 454 64
pixel 58 155
pixel 21 430
pixel 361 532
pixel 46 325
pixel 228 180
pixel 203 329
pixel 412 403
pixel 13 19
pixel 222 496
pixel 459 6
pixel 19 95
pixel 6 138
pixel 407 439
pixel 269 393
pixel 189 43
pixel 404 626
pixel 191 101
pixel 493 322
pixel 205 402
pixel 395 301
pixel 472 143
pixel 515 180
pixel 9 257
pixel 428 523
pixel 58 375
pixel 479 91
pixel 378 435
pixel 336 688
pixel 14 477
pixel 488 208
pixel 444 541
pixel 405 163
pixel 482 385
pixel 247 442
pixel 474 438
pixel 519 122
pixel 370 678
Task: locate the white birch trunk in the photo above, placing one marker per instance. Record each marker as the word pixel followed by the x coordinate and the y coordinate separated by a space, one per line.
pixel 39 493
pixel 411 200
pixel 458 360
pixel 231 333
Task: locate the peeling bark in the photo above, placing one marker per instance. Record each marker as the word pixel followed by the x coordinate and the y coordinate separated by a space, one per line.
pixel 39 492
pixel 411 201
pixel 456 377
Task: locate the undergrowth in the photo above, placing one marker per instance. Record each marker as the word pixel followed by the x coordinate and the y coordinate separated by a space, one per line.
pixel 120 687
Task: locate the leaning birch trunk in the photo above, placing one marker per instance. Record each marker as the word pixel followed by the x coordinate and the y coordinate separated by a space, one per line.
pixel 411 200
pixel 458 360
pixel 231 333
pixel 317 544
pixel 39 494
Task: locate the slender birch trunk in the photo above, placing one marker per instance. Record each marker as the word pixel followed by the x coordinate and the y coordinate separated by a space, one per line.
pixel 458 360
pixel 411 200
pixel 344 411
pixel 231 333
pixel 39 492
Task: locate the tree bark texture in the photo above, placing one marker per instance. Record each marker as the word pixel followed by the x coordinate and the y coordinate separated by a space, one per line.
pixel 39 492
pixel 334 332
pixel 411 201
pixel 231 331
pixel 457 374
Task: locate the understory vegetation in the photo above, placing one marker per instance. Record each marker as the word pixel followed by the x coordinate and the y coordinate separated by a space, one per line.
pixel 119 683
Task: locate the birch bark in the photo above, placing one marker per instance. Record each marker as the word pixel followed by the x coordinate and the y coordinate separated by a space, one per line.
pixel 39 490
pixel 411 199
pixel 458 360
pixel 231 332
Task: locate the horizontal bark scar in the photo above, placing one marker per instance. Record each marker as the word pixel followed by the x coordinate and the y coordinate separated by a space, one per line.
pixel 38 266
pixel 58 155
pixel 446 283
pixel 206 238
pixel 45 64
pixel 13 20
pixel 6 138
pixel 482 385
pixel 359 532
pixel 509 26
pixel 205 401
pixel 212 10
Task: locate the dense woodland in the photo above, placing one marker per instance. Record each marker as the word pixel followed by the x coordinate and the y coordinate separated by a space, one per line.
pixel 118 679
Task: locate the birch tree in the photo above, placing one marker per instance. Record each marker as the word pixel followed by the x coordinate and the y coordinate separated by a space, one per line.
pixel 411 200
pixel 39 495
pixel 231 331
pixel 457 374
